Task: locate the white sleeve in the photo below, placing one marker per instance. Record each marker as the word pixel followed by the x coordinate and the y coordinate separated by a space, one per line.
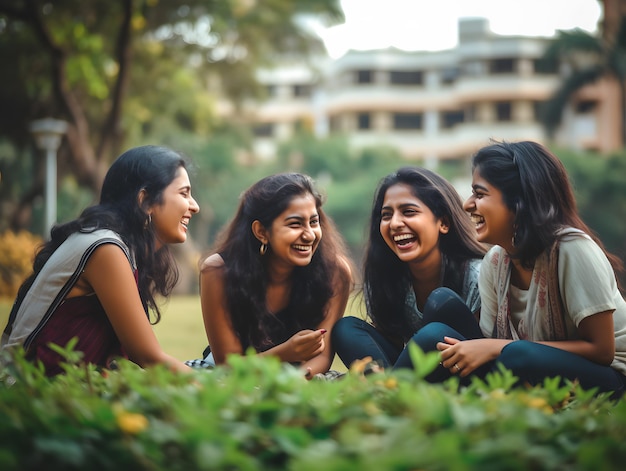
pixel 586 279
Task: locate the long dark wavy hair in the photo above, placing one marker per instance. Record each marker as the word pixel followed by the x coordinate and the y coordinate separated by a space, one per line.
pixel 147 168
pixel 246 275
pixel 386 279
pixel 536 187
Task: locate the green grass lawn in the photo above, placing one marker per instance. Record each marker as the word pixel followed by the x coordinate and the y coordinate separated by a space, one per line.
pixel 5 308
pixel 180 332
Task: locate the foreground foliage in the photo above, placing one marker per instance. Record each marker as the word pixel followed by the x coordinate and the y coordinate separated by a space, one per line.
pixel 260 414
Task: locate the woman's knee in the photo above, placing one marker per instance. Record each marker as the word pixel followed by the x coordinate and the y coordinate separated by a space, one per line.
pixel 345 327
pixel 428 336
pixel 522 355
pixel 443 303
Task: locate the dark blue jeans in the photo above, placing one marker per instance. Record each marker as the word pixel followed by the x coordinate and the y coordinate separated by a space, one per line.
pixel 354 338
pixel 530 362
pixel 446 315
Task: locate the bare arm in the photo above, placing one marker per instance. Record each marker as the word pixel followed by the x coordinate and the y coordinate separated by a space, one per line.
pixel 217 325
pixel 109 275
pixel 597 339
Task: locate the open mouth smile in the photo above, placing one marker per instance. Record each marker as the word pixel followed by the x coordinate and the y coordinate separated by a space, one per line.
pixel 478 221
pixel 302 248
pixel 403 239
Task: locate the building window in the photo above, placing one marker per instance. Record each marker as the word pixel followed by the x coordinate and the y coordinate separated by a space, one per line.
pixel 406 77
pixel 473 69
pixel 502 66
pixel 363 121
pixel 263 130
pixel 407 120
pixel 504 111
pixel 364 76
pixel 471 113
pixel 302 91
pixel 449 75
pixel 449 119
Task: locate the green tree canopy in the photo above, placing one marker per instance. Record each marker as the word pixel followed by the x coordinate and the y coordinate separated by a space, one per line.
pixel 121 71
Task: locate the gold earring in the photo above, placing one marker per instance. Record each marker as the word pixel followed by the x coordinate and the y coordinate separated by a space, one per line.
pixel 263 249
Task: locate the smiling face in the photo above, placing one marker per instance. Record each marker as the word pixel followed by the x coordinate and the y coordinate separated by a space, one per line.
pixel 409 227
pixel 294 234
pixel 494 220
pixel 171 216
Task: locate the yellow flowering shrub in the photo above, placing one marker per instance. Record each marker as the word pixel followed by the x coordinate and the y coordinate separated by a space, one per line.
pixel 131 423
pixel 17 251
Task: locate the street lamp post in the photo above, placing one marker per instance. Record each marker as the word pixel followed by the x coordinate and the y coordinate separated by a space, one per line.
pixel 48 133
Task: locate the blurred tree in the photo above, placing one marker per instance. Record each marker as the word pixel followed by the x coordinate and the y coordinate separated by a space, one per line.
pixel 601 195
pixel 320 158
pixel 121 70
pixel 588 59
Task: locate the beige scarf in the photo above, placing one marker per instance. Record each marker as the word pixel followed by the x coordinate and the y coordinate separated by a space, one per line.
pixel 547 320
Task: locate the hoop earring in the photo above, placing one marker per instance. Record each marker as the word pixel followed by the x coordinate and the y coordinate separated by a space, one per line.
pixel 148 221
pixel 263 249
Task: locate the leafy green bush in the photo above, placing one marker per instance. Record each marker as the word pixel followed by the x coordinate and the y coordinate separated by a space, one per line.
pixel 260 414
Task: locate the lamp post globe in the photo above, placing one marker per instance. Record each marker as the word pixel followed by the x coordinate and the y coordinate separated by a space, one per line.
pixel 48 133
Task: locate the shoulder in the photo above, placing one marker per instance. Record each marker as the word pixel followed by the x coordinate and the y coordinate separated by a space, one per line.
pixel 494 257
pixel 583 253
pixel 111 256
pixel 580 246
pixel 82 244
pixel 344 268
pixel 342 274
pixel 86 237
pixel 493 264
pixel 211 263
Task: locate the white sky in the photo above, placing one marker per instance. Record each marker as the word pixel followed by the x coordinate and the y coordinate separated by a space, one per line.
pixel 433 24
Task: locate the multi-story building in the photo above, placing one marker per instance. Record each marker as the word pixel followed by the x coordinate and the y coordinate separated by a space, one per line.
pixel 432 106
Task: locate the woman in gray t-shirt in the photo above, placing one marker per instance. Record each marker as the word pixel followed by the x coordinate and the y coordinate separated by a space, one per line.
pixel 551 304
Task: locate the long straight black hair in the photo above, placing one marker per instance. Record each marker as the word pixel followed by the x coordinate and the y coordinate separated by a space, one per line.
pixel 147 168
pixel 386 279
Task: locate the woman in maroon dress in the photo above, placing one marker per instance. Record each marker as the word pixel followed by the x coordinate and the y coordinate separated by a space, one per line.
pixel 96 280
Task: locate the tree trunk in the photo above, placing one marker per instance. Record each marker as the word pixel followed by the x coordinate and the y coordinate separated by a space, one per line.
pixel 82 155
pixel 111 135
